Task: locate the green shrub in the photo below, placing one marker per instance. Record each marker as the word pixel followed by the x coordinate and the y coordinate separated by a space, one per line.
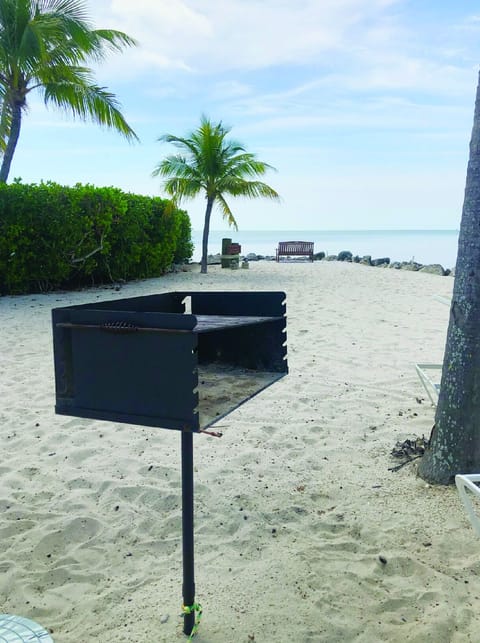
pixel 184 250
pixel 54 236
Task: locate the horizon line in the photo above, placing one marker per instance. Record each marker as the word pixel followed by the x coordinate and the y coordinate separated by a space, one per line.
pixel 329 230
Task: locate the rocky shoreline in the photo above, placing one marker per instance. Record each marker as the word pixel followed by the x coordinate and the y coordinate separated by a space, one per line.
pixel 346 255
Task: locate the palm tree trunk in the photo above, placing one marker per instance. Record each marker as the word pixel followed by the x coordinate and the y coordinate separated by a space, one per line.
pixel 12 143
pixel 455 440
pixel 206 231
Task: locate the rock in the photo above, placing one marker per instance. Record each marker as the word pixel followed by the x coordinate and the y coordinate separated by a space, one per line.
pixel 383 261
pixel 214 259
pixel 344 255
pixel 395 264
pixel 433 269
pixel 180 267
pixel 356 259
pixel 366 260
pixel 331 258
pixel 318 256
pixel 411 265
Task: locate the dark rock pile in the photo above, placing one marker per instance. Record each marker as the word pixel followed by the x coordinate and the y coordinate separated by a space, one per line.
pixel 366 260
pixel 346 255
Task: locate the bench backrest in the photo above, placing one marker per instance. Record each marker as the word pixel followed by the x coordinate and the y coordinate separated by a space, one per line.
pixel 295 246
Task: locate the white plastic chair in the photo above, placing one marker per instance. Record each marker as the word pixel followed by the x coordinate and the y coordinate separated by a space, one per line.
pixel 430 384
pixel 442 300
pixel 16 629
pixel 468 489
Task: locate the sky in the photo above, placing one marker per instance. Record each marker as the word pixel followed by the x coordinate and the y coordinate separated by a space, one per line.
pixel 364 107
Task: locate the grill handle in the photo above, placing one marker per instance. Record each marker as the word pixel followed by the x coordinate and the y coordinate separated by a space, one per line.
pixel 121 327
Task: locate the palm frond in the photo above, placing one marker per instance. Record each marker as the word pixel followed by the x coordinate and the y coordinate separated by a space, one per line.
pixel 88 101
pixel 226 212
pixel 246 165
pixel 75 9
pixel 177 165
pixel 182 143
pixel 114 39
pixel 5 124
pixel 249 189
pixel 181 188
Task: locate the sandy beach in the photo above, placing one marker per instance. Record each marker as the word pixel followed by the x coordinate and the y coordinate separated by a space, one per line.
pixel 295 505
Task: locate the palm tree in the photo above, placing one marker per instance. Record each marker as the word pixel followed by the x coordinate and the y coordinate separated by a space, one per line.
pixel 215 166
pixel 455 441
pixel 44 45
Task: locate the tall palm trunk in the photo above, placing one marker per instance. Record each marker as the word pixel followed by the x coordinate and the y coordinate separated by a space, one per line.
pixel 455 441
pixel 12 142
pixel 206 231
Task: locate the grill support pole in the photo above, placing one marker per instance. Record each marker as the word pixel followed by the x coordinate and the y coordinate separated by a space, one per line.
pixel 187 530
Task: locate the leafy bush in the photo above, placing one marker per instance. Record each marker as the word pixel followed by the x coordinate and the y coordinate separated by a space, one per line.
pixel 55 236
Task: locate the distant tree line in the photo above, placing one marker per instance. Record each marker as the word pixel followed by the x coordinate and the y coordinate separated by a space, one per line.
pixel 52 236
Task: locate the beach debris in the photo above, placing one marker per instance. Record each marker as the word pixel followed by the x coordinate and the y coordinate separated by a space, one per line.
pixel 409 447
pixel 409 450
pixel 382 559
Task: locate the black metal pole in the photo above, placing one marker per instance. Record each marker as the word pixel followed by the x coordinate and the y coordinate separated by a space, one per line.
pixel 187 530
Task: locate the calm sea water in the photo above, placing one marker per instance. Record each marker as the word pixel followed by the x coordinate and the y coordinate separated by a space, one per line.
pixel 424 246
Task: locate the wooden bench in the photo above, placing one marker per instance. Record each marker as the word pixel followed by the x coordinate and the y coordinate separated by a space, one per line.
pixel 295 249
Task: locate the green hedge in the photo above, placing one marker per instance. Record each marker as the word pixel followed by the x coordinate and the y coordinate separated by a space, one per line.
pixel 53 236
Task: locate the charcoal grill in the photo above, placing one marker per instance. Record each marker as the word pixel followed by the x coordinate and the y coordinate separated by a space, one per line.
pixel 179 360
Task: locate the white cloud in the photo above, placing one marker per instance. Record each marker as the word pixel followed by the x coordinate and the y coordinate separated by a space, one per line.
pixel 233 34
pixel 347 44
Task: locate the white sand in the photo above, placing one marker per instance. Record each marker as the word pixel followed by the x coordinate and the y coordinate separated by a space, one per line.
pixel 294 504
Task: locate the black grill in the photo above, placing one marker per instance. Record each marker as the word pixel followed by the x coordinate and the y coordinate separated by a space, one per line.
pixel 144 360
pixel 179 360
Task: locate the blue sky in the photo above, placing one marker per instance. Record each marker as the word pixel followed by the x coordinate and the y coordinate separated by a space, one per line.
pixel 364 107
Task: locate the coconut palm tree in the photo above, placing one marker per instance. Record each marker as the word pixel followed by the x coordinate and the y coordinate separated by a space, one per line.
pixel 44 46
pixel 455 441
pixel 213 165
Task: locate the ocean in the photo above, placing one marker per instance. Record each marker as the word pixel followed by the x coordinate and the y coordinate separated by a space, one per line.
pixel 423 246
